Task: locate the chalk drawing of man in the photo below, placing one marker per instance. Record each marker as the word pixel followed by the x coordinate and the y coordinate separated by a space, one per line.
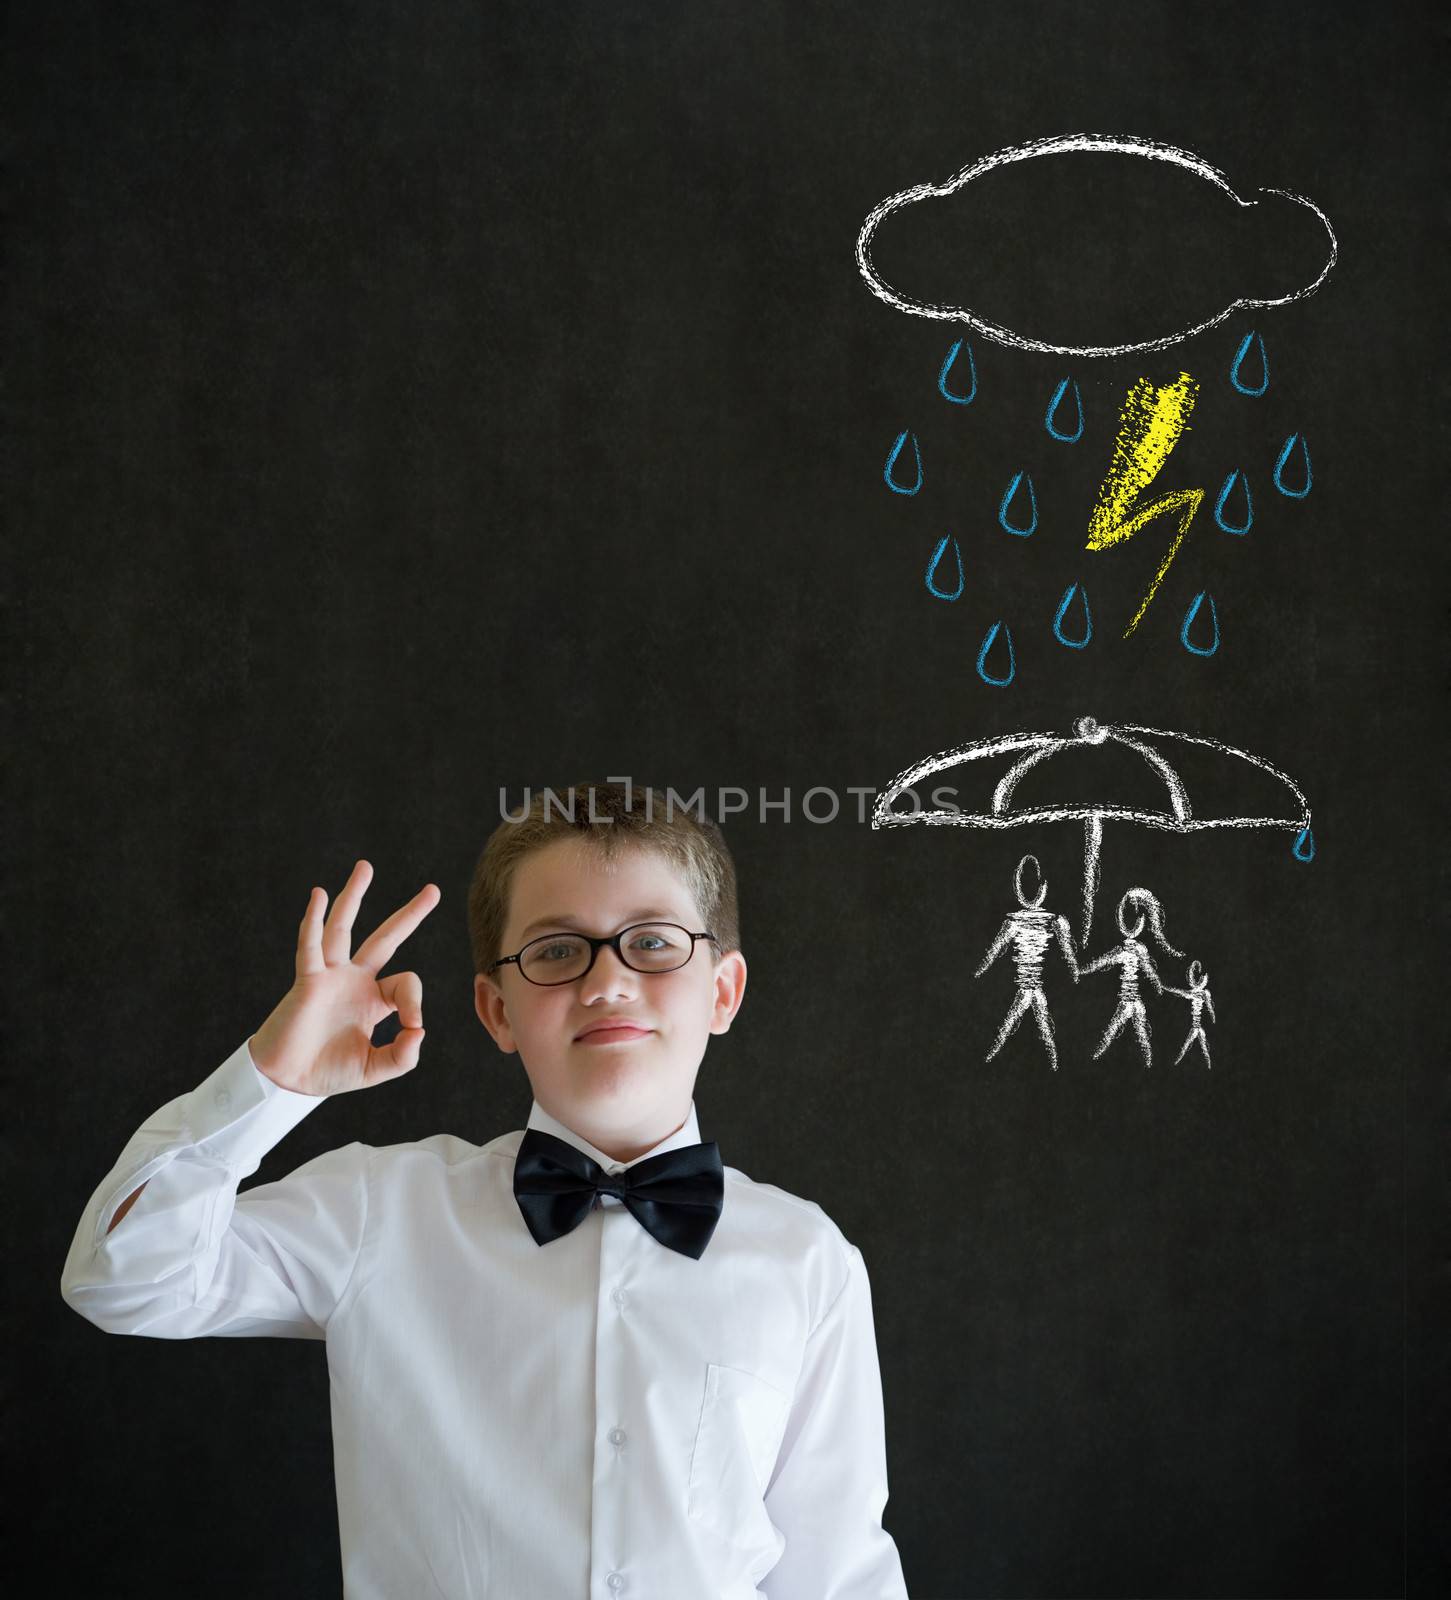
pixel 1029 932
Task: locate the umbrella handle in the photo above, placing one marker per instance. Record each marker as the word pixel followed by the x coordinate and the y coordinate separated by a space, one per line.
pixel 1093 838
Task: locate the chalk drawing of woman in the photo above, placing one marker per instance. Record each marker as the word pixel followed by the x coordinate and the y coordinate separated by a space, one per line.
pixel 1132 960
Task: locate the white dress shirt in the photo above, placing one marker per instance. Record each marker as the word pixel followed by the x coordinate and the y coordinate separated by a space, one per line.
pixel 597 1417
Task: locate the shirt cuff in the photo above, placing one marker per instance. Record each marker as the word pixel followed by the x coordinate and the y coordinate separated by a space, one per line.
pixel 238 1113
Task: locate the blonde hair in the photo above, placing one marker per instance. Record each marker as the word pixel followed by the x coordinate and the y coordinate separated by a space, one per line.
pixel 612 818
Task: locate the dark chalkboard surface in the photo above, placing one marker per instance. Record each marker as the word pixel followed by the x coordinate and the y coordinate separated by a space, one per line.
pixel 412 405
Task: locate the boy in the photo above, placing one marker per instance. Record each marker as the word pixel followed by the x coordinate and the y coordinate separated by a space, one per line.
pixel 584 1359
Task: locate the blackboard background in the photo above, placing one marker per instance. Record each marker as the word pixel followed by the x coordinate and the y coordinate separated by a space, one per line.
pixel 410 402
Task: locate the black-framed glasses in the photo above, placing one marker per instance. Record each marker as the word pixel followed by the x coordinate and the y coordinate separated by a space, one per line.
pixel 644 947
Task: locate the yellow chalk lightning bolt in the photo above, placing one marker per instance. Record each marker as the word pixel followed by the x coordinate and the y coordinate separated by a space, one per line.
pixel 1152 420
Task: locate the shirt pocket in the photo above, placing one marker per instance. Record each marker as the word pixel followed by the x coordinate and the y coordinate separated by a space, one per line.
pixel 742 1420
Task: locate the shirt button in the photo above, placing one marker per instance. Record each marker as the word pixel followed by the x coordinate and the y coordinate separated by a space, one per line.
pixel 618 1296
pixel 617 1436
pixel 224 1098
pixel 616 1581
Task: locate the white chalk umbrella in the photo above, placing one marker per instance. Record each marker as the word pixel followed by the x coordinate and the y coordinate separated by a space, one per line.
pixel 1177 815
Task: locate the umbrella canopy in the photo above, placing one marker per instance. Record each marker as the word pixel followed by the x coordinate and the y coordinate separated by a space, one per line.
pixel 1176 814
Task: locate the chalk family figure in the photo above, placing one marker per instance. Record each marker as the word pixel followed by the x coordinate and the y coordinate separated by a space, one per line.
pixel 1030 931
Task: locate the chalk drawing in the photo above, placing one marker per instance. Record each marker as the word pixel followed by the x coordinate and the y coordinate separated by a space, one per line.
pixel 1028 750
pixel 932 588
pixel 1132 959
pixel 1280 484
pixel 1124 144
pixel 1028 933
pixel 999 680
pixel 1050 416
pixel 1153 419
pixel 1189 616
pixel 1008 497
pixel 887 472
pixel 1197 994
pixel 1237 366
pixel 1249 510
pixel 1058 633
pixel 947 394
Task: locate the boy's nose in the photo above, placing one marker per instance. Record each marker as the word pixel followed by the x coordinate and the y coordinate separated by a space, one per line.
pixel 608 975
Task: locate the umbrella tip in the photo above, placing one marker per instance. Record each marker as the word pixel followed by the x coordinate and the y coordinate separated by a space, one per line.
pixel 1087 728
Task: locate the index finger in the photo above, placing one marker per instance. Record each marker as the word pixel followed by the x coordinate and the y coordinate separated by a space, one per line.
pixel 377 949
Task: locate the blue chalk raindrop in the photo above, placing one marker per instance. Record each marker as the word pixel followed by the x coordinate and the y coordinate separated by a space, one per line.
pixel 1249 514
pixel 892 484
pixel 1007 499
pixel 1189 616
pixel 1068 593
pixel 959 399
pixel 1050 415
pixel 987 644
pixel 1304 845
pixel 932 588
pixel 1290 443
pixel 1240 354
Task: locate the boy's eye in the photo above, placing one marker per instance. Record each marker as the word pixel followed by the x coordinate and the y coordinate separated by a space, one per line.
pixel 658 941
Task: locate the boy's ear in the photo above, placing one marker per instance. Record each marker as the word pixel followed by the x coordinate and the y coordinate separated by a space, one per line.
pixel 490 1009
pixel 730 989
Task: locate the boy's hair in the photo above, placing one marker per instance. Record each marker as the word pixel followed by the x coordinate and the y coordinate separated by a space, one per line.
pixel 612 818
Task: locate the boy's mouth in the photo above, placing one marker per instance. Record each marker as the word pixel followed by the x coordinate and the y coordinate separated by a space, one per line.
pixel 612 1031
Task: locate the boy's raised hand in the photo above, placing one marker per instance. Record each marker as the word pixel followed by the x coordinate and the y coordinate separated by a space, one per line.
pixel 319 1039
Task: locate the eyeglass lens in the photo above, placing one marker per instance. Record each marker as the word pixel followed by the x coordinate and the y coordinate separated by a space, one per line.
pixel 648 947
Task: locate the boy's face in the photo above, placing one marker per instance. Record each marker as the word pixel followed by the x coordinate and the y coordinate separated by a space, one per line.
pixel 622 1092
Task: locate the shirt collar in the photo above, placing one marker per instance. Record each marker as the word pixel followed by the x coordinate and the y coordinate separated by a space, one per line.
pixel 688 1134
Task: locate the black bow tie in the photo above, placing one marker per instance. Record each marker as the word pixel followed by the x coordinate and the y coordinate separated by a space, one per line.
pixel 676 1195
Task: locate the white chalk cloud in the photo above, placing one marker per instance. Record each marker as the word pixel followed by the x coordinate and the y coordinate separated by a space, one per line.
pixel 1125 145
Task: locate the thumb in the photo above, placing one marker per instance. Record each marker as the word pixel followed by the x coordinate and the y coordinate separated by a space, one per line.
pixel 404 993
pixel 392 1060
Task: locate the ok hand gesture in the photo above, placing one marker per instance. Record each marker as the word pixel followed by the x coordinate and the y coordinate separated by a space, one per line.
pixel 318 1039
